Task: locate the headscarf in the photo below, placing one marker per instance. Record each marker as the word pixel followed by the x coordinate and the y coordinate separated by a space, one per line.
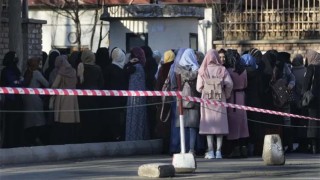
pixel 269 59
pixel 173 66
pixel 168 56
pixel 33 65
pixel 189 59
pixel 249 60
pixel 102 57
pixel 87 57
pixel 313 57
pixel 256 54
pixel 75 59
pixel 200 57
pixel 233 60
pixel 118 57
pixel 297 60
pixel 53 53
pixel 212 57
pixel 138 53
pixel 10 60
pixel 157 56
pixel 63 67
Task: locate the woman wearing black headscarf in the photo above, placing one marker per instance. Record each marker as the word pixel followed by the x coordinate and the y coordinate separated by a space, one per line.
pixel 150 69
pixel 11 77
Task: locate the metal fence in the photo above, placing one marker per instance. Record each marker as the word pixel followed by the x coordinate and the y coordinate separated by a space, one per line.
pixel 269 20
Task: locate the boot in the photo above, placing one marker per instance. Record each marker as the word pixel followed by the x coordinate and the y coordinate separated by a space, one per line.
pixel 244 152
pixel 235 153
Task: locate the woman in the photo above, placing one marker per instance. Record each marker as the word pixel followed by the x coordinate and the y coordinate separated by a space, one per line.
pixel 90 77
pixel 300 134
pixel 136 120
pixel 66 109
pixel 214 120
pixel 50 64
pixel 34 122
pixel 253 92
pixel 187 68
pixel 312 82
pixel 11 77
pixel 237 119
pixel 117 80
pixel 163 122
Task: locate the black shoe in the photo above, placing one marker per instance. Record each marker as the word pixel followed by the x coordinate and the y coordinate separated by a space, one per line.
pixel 235 153
pixel 244 152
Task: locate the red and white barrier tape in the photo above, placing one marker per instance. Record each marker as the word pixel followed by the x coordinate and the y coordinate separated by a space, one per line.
pixel 247 108
pixel 77 92
pixel 85 92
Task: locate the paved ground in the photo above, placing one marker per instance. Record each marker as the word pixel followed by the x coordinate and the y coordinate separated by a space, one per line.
pixel 298 166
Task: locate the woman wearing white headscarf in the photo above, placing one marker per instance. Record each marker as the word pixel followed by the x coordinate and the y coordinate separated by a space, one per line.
pixel 188 69
pixel 116 79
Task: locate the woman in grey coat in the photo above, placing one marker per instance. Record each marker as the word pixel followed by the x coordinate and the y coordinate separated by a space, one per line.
pixel 34 122
pixel 188 69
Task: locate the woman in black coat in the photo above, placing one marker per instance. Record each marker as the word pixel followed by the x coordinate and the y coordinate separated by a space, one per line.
pixel 312 82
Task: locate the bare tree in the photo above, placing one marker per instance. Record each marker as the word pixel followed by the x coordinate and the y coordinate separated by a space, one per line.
pixel 73 9
pixel 69 9
pixel 224 15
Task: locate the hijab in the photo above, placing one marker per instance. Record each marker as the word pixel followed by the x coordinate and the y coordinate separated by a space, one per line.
pixel 297 60
pixel 211 57
pixel 249 61
pixel 49 64
pixel 173 66
pixel 87 57
pixel 102 57
pixel 118 57
pixel 313 57
pixel 233 60
pixel 63 67
pixel 189 59
pixel 33 65
pixel 138 53
pixel 10 60
pixel 168 56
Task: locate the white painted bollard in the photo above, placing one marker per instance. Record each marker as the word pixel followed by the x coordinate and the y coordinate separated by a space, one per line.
pixel 273 153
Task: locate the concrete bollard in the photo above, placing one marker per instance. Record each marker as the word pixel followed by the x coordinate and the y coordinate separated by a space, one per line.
pixel 272 150
pixel 156 170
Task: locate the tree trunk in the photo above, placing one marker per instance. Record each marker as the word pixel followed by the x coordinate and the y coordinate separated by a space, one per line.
pixel 15 30
pixel 96 13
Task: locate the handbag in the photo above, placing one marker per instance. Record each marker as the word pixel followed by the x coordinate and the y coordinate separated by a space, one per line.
pixel 187 91
pixel 308 95
pixel 280 93
pixel 165 109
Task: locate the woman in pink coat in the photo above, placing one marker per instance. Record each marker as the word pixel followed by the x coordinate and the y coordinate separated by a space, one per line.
pixel 214 120
pixel 238 124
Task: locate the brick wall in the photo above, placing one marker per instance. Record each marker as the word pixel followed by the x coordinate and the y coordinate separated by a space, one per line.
pixel 291 46
pixel 32 39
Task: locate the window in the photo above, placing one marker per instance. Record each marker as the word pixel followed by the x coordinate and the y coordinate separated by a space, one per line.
pixel 193 41
pixel 136 40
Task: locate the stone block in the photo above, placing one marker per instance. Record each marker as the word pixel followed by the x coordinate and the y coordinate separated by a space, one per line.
pixel 273 153
pixel 156 170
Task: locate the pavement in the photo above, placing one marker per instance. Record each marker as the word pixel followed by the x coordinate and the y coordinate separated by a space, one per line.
pixel 298 166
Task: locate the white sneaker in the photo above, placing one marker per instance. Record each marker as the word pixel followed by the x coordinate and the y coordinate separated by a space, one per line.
pixel 218 155
pixel 209 155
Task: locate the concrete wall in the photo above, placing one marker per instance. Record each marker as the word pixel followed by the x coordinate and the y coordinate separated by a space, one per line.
pixel 55 32
pixel 291 46
pixel 163 34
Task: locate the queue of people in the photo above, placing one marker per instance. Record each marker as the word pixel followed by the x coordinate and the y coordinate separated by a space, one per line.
pixel 225 75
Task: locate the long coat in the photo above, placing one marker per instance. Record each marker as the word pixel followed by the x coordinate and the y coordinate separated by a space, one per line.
pixel 238 124
pixel 62 103
pixel 214 119
pixel 34 102
pixel 191 115
pixel 136 121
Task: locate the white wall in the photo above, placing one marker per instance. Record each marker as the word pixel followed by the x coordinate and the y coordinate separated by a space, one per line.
pixel 163 34
pixel 55 32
